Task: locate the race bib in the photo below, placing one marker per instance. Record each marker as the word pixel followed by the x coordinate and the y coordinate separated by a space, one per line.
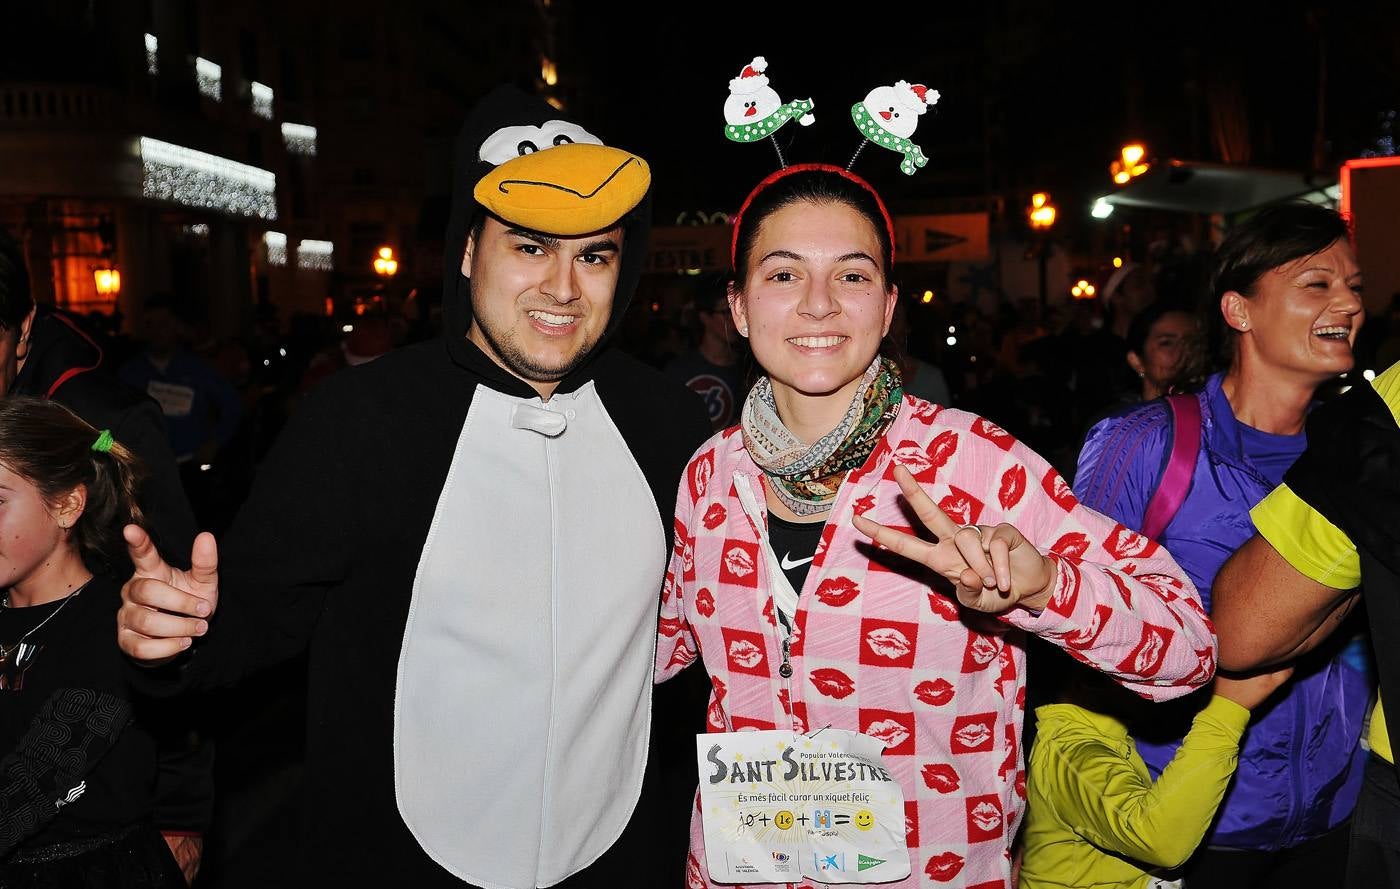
pixel 777 806
pixel 174 400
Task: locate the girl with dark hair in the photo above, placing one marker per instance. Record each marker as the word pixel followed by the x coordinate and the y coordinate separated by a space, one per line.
pixel 1285 308
pixel 1158 342
pixel 917 642
pixel 77 776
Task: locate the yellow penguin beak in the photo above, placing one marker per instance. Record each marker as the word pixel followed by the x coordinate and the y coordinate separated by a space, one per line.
pixel 568 190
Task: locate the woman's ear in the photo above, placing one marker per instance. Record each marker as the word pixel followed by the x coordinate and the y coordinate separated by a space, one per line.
pixel 891 300
pixel 1136 364
pixel 738 308
pixel 1235 309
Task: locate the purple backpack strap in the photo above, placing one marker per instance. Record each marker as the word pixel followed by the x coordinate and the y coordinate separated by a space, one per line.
pixel 1181 466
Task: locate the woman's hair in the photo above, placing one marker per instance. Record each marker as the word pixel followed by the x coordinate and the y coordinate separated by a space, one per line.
pixel 815 184
pixel 1270 238
pixel 50 446
pixel 1141 327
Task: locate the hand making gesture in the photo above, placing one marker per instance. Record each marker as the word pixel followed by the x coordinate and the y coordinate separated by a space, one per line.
pixel 993 568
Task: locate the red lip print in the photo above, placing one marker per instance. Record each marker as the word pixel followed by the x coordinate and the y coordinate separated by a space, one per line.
pixel 833 683
pixel 1164 585
pixel 925 411
pixel 1066 595
pixel 1124 591
pixel 714 716
pixel 941 777
pixel 980 651
pixel 669 626
pixel 714 516
pixel 888 731
pixel 785 701
pixel 912 457
pixel 1146 658
pixel 739 563
pixel 1205 667
pixel 745 654
pixel 1013 486
pixel 863 505
pixel 1086 637
pixel 944 867
pixel 1059 490
pixel 983 818
pixel 942 448
pixel 934 692
pixel 1125 543
pixel 705 603
pixel 943 606
pixel 1072 545
pixel 693 877
pixel 768 613
pixel 678 535
pixel 680 656
pixel 993 433
pixel 961 506
pixel 972 734
pixel 698 476
pixel 1021 783
pixel 837 591
pixel 688 559
pixel 888 642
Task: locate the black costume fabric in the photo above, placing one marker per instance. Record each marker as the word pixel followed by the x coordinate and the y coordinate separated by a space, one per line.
pixel 78 772
pixel 326 551
pixel 1350 473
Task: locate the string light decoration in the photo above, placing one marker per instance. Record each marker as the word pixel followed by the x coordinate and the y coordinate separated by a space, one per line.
pixel 275 243
pixel 316 255
pixel 210 78
pixel 196 179
pixel 262 100
pixel 299 138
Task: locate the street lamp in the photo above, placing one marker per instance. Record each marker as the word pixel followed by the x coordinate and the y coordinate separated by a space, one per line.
pixel 108 281
pixel 1129 164
pixel 1042 217
pixel 385 265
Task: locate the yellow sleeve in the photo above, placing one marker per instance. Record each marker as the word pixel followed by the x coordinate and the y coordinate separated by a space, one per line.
pixel 1315 547
pixel 1114 807
pixel 1387 386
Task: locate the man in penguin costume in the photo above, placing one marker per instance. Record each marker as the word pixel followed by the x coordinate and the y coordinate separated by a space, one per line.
pixel 471 534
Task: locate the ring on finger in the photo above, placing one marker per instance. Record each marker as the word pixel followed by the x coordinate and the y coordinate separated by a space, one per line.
pixel 971 528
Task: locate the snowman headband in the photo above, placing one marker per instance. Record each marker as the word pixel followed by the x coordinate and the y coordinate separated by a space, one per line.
pixel 887 116
pixel 779 175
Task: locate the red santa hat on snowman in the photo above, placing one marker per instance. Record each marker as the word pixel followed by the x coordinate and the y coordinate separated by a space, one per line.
pixel 914 97
pixel 751 79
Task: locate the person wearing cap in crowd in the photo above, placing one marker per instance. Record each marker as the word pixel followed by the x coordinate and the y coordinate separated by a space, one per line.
pixel 471 533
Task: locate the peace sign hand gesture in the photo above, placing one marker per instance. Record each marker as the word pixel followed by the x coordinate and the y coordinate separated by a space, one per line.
pixel 992 569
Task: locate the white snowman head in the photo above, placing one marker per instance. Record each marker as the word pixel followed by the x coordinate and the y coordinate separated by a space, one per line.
pixel 751 99
pixel 897 108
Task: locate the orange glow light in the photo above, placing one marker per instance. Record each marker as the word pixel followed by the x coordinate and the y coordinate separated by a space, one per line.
pixel 108 281
pixel 1133 153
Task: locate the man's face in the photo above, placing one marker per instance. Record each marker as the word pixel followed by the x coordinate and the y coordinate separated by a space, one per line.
pixel 540 303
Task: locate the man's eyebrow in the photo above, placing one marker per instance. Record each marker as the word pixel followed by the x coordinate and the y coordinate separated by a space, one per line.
pixel 602 245
pixel 542 240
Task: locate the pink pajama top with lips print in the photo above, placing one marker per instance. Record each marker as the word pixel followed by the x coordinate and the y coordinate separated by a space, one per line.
pixel 880 645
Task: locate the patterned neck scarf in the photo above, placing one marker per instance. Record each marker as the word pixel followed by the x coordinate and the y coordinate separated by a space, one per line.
pixel 807 477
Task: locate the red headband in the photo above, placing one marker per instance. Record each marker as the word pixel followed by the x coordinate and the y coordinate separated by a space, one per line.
pixel 803 168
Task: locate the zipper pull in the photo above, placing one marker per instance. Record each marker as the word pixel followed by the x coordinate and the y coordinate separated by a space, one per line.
pixel 785 670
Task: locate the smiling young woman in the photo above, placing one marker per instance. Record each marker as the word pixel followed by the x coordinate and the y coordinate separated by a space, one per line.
pixel 803 622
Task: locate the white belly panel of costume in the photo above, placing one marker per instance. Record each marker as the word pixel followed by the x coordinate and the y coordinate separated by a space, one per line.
pixel 523 701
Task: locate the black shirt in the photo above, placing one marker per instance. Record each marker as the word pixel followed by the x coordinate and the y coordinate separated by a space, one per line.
pixel 66 732
pixel 795 545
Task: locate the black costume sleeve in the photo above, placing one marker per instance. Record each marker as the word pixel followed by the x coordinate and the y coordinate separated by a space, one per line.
pixel 72 731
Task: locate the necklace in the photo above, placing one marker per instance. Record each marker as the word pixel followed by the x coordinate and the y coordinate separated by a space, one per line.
pixel 15 659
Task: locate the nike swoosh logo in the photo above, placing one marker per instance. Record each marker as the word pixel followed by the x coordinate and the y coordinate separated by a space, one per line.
pixel 789 565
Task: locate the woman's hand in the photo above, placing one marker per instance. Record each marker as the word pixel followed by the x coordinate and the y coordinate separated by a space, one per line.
pixel 1249 691
pixel 992 568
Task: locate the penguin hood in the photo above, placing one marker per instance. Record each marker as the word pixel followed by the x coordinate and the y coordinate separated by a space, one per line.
pixel 530 165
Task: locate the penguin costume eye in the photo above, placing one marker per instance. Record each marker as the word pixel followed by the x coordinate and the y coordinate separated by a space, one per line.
pixel 508 143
